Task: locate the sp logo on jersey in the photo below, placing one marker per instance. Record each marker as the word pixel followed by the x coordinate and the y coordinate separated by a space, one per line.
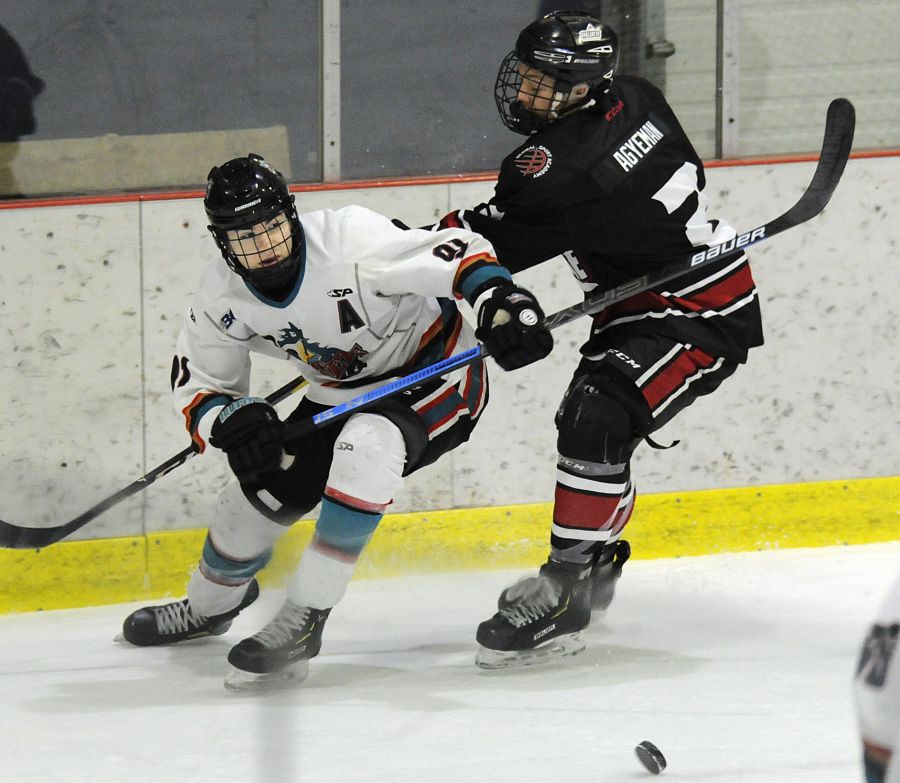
pixel 534 161
pixel 337 293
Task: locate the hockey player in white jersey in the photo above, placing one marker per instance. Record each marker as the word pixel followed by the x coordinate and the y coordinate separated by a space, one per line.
pixel 876 689
pixel 353 301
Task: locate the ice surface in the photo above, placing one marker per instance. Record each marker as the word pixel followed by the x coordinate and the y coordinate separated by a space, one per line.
pixel 737 667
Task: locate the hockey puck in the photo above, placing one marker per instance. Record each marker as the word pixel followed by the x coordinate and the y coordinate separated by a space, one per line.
pixel 651 757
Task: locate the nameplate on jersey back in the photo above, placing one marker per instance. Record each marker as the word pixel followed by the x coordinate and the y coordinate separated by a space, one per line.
pixel 631 150
pixel 640 143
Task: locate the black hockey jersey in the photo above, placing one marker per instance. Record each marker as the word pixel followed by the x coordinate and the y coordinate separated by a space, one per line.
pixel 617 189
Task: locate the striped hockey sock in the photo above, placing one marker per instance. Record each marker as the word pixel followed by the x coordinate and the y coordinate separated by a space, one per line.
pixel 593 503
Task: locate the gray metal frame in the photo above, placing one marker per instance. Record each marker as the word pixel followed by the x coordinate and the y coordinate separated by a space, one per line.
pixel 728 61
pixel 330 87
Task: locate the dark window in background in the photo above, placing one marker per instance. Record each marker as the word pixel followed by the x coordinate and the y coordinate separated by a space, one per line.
pixel 418 86
pixel 150 95
pixel 138 69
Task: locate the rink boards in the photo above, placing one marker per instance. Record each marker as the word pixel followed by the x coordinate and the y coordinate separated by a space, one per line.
pixel 102 571
pixel 805 429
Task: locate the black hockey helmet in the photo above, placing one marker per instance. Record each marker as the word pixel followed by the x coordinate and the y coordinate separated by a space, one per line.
pixel 245 192
pixel 567 47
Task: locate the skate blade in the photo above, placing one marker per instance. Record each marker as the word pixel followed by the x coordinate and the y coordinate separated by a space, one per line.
pixel 241 681
pixel 119 638
pixel 560 647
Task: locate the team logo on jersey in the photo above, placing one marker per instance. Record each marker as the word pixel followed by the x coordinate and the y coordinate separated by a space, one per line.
pixel 342 364
pixel 333 362
pixel 534 161
pixel 305 350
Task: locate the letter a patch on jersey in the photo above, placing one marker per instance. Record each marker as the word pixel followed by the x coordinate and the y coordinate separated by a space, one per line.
pixel 348 317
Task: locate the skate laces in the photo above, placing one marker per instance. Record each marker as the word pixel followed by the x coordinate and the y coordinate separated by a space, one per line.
pixel 177 617
pixel 280 630
pixel 530 599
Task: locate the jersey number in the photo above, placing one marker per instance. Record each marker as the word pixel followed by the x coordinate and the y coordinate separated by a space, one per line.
pixel 180 372
pixel 451 250
pixel 575 265
pixel 877 651
pixel 680 187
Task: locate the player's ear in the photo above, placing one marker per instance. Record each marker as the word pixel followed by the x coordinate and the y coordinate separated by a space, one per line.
pixel 579 92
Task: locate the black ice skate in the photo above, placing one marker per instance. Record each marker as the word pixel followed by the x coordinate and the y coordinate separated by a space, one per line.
pixel 280 652
pixel 606 572
pixel 177 622
pixel 540 618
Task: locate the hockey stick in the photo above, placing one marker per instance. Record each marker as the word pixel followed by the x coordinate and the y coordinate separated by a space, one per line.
pixel 16 537
pixel 839 126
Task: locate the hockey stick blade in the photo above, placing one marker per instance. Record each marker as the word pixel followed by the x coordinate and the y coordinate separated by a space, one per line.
pixel 840 123
pixel 839 126
pixel 18 537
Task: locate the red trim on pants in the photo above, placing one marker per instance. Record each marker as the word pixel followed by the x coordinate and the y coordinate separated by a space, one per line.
pixel 672 377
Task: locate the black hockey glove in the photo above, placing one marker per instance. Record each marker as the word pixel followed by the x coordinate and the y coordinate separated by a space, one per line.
pixel 509 325
pixel 251 434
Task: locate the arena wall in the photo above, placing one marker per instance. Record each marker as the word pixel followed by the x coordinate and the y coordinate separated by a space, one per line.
pixel 94 293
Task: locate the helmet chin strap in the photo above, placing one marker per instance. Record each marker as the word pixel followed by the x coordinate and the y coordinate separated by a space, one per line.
pixel 527 121
pixel 559 98
pixel 579 106
pixel 531 120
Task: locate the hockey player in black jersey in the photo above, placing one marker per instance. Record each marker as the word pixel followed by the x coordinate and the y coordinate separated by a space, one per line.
pixel 607 179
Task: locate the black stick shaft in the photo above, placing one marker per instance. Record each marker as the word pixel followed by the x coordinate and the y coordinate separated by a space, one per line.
pixel 16 537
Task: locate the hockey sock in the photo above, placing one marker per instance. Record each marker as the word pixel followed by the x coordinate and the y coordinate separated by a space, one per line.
pixel 327 565
pixel 590 510
pixel 218 584
pixel 225 570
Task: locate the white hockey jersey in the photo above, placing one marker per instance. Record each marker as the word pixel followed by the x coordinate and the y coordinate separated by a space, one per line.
pixel 372 302
pixel 876 690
